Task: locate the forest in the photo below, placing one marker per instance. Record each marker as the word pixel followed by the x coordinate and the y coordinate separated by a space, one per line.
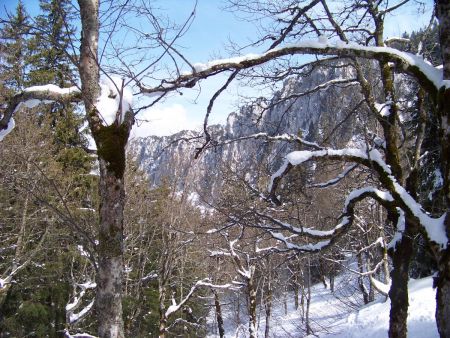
pixel 325 194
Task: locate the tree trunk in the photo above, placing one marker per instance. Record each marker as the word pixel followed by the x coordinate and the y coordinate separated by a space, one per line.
pixel 308 300
pixel 268 309
pixel 332 281
pixel 111 142
pixel 361 285
pixel 162 311
pixel 296 295
pixel 398 292
pixel 443 279
pixel 443 300
pixel 219 314
pixel 110 254
pixel 252 307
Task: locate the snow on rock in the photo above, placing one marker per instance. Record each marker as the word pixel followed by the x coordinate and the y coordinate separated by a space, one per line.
pixel 112 93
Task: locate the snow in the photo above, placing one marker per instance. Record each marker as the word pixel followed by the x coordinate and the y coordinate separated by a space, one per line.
pixel 67 334
pixel 299 157
pixel 88 285
pixel 372 321
pixel 323 39
pixel 76 301
pixel 384 195
pixel 110 98
pixel 332 314
pixel 438 181
pixel 9 128
pixel 52 88
pixel 383 108
pixel 74 317
pixel 384 288
pixel 434 227
pixel 325 46
pixel 150 276
pixel 310 247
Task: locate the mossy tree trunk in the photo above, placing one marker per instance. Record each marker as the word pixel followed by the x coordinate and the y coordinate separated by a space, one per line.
pixel 111 142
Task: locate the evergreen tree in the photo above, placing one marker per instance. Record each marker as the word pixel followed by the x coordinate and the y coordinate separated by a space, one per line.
pixel 50 47
pixel 35 303
pixel 50 63
pixel 13 39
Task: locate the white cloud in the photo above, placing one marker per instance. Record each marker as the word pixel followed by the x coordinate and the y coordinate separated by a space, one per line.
pixel 162 121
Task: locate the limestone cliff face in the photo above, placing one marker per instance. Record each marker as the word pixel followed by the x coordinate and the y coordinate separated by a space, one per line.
pixel 313 116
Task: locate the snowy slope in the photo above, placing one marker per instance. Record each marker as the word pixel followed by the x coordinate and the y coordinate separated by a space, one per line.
pixel 372 321
pixel 335 315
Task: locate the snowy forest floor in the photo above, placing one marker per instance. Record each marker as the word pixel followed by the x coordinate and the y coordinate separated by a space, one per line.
pixel 338 315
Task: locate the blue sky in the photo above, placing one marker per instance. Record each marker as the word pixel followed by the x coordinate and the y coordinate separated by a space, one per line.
pixel 209 33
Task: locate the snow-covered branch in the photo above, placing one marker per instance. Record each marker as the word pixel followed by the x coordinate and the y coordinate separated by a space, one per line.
pixel 73 317
pixel 284 137
pixel 433 228
pixel 6 281
pixel 430 77
pixel 380 286
pixel 371 158
pixel 202 283
pixel 325 238
pixel 67 334
pixel 335 180
pixel 31 97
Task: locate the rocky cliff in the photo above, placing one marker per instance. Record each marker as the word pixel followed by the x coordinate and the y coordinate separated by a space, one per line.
pixel 313 116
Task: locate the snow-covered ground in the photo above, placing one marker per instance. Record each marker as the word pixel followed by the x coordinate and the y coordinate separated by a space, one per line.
pixel 340 315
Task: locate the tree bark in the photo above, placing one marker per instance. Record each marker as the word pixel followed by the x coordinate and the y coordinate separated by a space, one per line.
pixel 308 300
pixel 442 281
pixel 219 316
pixel 398 292
pixel 252 306
pixel 111 142
pixel 296 293
pixel 361 285
pixel 110 254
pixel 268 309
pixel 162 312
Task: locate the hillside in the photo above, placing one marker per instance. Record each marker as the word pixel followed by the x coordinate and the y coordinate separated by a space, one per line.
pixel 338 315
